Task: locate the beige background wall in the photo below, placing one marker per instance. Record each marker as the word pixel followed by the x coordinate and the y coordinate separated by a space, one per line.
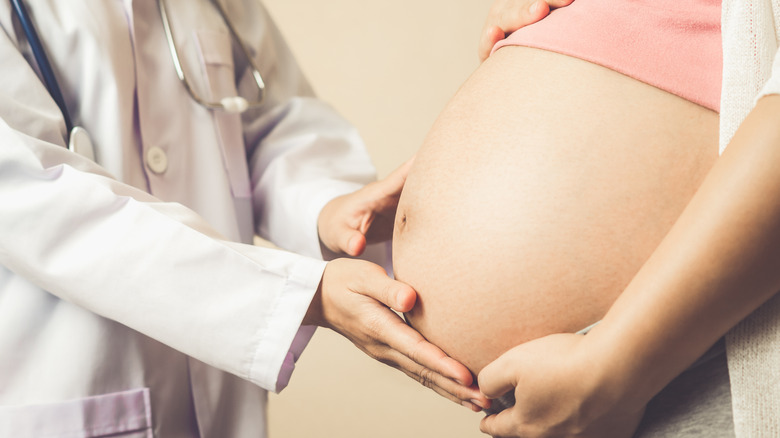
pixel 389 67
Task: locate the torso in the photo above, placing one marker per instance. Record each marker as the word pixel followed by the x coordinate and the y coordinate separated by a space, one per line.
pixel 539 192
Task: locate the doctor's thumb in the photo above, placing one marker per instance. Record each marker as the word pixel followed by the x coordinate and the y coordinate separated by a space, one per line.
pixel 353 242
pixel 392 293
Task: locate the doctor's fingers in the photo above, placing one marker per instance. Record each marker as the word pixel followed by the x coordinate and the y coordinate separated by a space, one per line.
pixel 392 184
pixel 374 283
pixel 468 397
pixel 411 351
pixel 365 216
pixel 430 366
pixel 443 385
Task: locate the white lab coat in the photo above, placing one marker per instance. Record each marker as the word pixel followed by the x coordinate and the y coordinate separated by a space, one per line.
pixel 126 302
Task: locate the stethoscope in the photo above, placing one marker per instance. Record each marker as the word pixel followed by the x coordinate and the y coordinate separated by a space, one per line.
pixel 79 140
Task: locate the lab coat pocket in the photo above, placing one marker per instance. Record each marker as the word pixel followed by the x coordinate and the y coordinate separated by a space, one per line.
pixel 124 414
pixel 216 56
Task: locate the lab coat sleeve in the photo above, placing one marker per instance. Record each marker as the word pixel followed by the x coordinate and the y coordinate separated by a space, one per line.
pixel 155 267
pixel 302 153
pixel 70 228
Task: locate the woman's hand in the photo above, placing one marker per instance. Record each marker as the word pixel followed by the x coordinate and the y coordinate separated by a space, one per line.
pixel 347 223
pixel 506 16
pixel 355 298
pixel 562 389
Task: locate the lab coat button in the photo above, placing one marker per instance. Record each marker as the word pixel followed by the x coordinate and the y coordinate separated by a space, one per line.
pixel 156 160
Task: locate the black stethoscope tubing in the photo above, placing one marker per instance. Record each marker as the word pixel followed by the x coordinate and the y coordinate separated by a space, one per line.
pixel 49 79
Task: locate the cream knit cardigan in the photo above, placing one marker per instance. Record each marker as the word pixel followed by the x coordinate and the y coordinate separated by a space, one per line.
pixel 751 32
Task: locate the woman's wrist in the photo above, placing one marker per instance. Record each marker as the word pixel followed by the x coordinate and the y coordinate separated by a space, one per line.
pixel 619 376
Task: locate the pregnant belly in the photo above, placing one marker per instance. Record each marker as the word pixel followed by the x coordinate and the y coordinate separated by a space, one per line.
pixel 537 195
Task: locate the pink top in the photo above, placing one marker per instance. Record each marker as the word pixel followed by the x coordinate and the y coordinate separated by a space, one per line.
pixel 674 45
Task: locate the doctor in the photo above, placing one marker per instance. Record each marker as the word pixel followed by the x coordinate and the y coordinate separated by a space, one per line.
pixel 132 302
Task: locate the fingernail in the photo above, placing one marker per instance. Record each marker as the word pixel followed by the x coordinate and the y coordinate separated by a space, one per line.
pixel 478 403
pixel 351 245
pixel 534 7
pixel 469 406
pixel 399 303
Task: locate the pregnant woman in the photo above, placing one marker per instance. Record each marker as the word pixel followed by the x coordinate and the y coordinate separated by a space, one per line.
pixel 520 220
pixel 553 174
pixel 556 171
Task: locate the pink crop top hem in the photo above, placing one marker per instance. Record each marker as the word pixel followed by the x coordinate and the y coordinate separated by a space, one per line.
pixel 674 45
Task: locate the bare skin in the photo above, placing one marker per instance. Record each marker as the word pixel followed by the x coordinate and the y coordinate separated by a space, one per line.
pixel 355 297
pixel 717 265
pixel 538 194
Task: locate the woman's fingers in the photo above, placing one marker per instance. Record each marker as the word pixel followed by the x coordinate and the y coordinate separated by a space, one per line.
pixel 559 390
pixel 491 35
pixel 501 425
pixel 559 3
pixel 506 16
pixel 500 376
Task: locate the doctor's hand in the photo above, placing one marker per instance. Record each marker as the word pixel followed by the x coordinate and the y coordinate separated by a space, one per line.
pixel 562 389
pixel 355 298
pixel 347 223
pixel 506 16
